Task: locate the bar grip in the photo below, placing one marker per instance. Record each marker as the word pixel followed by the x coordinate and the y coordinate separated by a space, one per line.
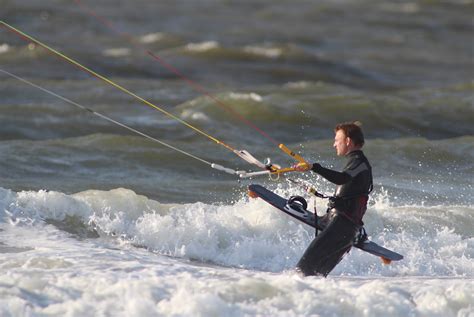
pixel 297 157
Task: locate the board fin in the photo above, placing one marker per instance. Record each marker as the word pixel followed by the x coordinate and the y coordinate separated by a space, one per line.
pixel 252 194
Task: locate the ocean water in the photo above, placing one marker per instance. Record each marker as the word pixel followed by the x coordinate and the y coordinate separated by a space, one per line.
pixel 98 221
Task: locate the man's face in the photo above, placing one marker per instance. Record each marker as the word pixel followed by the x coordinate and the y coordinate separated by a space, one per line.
pixel 341 143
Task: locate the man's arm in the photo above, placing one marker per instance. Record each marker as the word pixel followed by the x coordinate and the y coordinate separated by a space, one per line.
pixel 335 177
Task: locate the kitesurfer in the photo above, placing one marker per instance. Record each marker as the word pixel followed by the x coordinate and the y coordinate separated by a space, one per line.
pixel 343 220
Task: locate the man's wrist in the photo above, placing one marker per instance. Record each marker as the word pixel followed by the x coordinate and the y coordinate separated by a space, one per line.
pixel 315 167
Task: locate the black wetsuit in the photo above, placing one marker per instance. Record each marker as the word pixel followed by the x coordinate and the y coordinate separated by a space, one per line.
pixel 344 216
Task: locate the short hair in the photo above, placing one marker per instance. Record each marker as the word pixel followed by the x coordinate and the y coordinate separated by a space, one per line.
pixel 353 131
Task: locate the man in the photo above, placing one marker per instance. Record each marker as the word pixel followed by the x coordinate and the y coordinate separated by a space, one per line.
pixel 346 208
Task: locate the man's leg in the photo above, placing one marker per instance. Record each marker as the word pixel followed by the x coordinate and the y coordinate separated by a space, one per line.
pixel 328 248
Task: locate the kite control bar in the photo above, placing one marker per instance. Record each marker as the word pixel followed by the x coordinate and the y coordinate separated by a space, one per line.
pixel 273 169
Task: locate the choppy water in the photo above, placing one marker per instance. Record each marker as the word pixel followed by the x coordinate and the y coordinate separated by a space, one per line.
pixel 97 221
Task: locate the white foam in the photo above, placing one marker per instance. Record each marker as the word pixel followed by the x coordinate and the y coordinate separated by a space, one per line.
pixel 58 274
pixel 202 47
pixel 101 280
pixel 195 115
pixel 246 96
pixel 117 52
pixel 264 51
pixel 151 38
pixel 4 48
pixel 252 234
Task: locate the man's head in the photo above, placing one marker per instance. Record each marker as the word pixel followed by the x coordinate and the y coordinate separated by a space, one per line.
pixel 349 137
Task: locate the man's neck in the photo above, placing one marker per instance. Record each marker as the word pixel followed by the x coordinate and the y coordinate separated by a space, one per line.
pixel 353 150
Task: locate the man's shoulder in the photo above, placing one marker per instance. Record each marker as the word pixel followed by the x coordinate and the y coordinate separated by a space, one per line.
pixel 357 163
pixel 357 155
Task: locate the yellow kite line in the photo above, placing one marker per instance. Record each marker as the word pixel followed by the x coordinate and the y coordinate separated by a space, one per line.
pixel 241 153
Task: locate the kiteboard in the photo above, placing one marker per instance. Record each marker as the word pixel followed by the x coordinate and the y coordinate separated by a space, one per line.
pixel 299 212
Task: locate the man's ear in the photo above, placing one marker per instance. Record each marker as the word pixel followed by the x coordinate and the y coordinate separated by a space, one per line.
pixel 348 141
